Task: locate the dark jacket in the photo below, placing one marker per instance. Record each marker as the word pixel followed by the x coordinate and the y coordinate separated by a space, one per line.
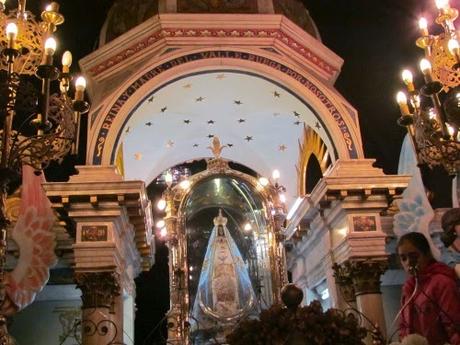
pixel 434 312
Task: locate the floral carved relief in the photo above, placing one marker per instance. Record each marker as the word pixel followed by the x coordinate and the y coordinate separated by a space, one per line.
pixel 98 288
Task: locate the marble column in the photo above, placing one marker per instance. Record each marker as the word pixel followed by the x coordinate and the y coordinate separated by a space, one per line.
pixel 100 324
pixel 365 275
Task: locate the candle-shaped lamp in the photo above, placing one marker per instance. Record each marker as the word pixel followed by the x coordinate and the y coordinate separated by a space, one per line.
pixel 425 67
pixel 52 7
pixel 11 34
pixel 442 5
pixel 423 26
pixel 402 101
pixel 408 80
pixel 50 48
pixel 80 86
pixel 66 61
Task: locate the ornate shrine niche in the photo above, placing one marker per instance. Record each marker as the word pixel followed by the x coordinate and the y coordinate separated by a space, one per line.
pixel 217 6
pixel 220 270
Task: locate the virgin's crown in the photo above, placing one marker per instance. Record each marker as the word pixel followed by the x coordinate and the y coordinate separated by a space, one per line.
pixel 220 219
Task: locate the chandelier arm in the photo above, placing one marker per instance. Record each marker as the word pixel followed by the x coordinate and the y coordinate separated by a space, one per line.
pixel 44 108
pixel 12 85
pixel 39 151
pixel 440 115
pixel 76 143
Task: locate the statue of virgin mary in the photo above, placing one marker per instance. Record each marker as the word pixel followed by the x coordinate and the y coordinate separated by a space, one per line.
pixel 225 293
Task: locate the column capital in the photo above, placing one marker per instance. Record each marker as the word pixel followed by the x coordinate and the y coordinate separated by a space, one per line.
pixel 98 288
pixel 365 275
pixel 343 278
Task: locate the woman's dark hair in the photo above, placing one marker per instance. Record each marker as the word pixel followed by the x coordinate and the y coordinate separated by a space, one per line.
pixel 448 222
pixel 418 240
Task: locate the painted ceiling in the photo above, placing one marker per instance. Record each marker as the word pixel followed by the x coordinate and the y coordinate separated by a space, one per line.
pixel 258 121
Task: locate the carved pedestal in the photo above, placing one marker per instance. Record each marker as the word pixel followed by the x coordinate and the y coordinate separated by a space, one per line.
pixel 99 323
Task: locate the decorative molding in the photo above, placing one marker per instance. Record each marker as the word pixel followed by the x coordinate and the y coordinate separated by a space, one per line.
pixel 99 289
pixel 183 32
pixel 112 113
pixel 98 191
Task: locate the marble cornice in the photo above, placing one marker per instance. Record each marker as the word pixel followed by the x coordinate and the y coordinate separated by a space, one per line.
pixel 100 190
pixel 160 32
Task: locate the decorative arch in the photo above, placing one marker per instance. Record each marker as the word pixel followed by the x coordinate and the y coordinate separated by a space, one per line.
pixel 342 128
pixel 312 145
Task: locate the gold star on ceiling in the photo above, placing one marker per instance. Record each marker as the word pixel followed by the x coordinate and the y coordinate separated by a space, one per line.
pixel 169 144
pixel 282 148
pixel 187 86
pixel 220 76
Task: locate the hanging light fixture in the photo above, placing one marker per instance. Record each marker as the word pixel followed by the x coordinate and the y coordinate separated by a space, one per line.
pixel 39 119
pixel 431 113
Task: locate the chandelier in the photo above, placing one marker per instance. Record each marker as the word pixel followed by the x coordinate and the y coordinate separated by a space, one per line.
pixel 39 120
pixel 431 113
